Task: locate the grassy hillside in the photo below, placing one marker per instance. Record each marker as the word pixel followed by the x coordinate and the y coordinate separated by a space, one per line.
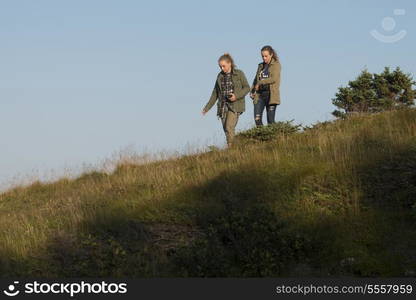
pixel 335 199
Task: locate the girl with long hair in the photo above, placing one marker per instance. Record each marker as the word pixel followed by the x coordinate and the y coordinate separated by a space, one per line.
pixel 265 90
pixel 230 89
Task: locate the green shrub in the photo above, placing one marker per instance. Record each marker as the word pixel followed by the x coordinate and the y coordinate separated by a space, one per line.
pixel 269 132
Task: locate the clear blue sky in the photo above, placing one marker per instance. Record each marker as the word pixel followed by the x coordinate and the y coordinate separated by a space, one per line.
pixel 80 80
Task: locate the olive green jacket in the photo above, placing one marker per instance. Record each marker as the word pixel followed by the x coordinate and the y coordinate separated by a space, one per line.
pixel 241 89
pixel 273 80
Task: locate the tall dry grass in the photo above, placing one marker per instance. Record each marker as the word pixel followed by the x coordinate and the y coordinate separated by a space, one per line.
pixel 319 176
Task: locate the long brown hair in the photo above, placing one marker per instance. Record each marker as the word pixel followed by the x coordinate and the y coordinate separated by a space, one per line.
pixel 227 57
pixel 271 52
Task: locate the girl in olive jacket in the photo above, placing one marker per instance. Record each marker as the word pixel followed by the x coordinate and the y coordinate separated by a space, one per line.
pixel 230 89
pixel 265 91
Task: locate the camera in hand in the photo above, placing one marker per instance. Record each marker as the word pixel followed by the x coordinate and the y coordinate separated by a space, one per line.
pixel 230 94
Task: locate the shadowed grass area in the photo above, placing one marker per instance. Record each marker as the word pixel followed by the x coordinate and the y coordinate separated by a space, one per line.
pixel 334 199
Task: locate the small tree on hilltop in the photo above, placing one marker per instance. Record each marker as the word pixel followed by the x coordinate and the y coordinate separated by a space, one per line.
pixel 375 92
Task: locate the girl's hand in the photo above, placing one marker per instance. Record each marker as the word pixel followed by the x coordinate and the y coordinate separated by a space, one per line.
pixel 203 112
pixel 232 97
pixel 256 87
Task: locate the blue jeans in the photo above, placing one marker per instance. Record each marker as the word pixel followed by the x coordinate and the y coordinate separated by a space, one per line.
pixel 262 103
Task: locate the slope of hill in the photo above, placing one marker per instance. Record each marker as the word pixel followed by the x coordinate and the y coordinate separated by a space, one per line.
pixel 337 199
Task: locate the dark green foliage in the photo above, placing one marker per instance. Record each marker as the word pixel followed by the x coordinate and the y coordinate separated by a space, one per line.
pixel 269 132
pixel 370 93
pixel 249 243
pixel 117 249
pixel 391 182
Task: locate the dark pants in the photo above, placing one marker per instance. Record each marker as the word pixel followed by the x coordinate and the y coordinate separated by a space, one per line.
pixel 262 103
